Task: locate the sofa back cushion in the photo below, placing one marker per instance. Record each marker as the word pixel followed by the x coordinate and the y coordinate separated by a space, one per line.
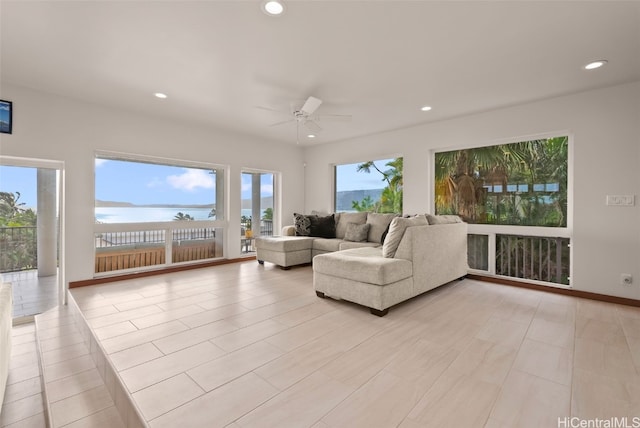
pixel 443 219
pixel 378 224
pixel 396 232
pixel 343 219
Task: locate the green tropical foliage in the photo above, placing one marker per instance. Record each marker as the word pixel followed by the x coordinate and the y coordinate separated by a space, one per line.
pixel 18 239
pixel 183 217
pixel 391 198
pixel 268 214
pixel 522 183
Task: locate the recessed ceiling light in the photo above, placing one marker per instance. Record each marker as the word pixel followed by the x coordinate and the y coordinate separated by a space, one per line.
pixel 595 64
pixel 425 108
pixel 311 136
pixel 160 95
pixel 273 7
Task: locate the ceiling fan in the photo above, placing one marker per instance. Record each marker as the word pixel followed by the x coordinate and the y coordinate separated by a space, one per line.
pixel 304 116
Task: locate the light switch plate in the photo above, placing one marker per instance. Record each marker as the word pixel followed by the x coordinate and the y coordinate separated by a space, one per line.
pixel 621 200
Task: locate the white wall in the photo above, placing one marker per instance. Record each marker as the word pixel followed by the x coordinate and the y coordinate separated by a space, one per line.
pixel 52 127
pixel 605 125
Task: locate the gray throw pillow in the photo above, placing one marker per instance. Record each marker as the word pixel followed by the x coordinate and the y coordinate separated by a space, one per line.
pixel 356 232
pixel 345 218
pixel 396 232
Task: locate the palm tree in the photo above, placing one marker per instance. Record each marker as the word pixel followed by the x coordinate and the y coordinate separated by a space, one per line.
pixel 391 198
pixel 183 217
pixel 9 205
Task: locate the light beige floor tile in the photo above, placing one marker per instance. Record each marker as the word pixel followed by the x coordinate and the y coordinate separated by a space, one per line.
pixel 549 362
pixel 129 340
pixel 596 396
pixel 20 390
pixel 194 336
pixel 146 374
pixel 524 395
pixel 106 418
pixel 456 401
pixel 228 367
pixel 213 315
pixel 180 302
pixel 114 330
pixel 165 396
pixel 35 421
pixel 630 326
pixel 221 406
pixel 240 338
pixel 68 368
pixel 513 311
pixel 18 410
pixel 23 373
pixel 485 361
pixel 133 356
pixel 607 332
pixel 383 401
pixel 301 405
pixel 557 312
pixel 551 332
pixel 608 360
pixel 72 385
pixel 61 342
pixel 66 353
pixel 118 317
pixel 595 310
pixel 503 332
pixel 166 316
pixel 303 314
pixel 79 406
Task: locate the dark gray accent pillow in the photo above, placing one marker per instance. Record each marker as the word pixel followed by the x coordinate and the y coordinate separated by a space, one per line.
pixel 323 227
pixel 356 232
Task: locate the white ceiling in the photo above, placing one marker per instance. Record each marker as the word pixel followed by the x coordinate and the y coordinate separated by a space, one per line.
pixel 378 61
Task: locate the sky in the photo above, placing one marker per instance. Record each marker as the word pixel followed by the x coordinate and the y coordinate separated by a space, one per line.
pixel 142 183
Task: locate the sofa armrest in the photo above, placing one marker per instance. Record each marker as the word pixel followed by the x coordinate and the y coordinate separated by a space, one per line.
pixel 288 231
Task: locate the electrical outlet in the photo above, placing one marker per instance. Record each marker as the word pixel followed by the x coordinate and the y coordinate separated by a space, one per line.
pixel 621 200
pixel 626 279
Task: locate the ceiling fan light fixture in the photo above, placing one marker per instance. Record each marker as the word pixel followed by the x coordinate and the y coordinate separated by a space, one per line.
pixel 595 64
pixel 160 95
pixel 311 136
pixel 273 7
pixel 425 108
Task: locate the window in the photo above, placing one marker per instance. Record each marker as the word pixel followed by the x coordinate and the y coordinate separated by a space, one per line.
pixel 522 184
pixel 515 199
pixel 257 199
pixel 369 186
pixel 150 213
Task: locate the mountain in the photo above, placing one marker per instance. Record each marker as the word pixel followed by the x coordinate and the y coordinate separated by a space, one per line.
pixel 344 199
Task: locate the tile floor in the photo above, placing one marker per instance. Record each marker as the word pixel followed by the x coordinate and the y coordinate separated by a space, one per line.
pixel 23 405
pixel 243 345
pixel 31 294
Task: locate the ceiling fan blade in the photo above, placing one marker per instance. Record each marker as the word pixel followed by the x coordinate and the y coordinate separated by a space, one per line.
pixel 282 123
pixel 312 126
pixel 335 117
pixel 310 105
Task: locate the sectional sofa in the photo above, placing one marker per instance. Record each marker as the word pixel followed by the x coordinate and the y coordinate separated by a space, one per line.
pixel 316 234
pixel 375 260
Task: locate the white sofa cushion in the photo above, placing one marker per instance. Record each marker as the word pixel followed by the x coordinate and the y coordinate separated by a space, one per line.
pixel 343 219
pixel 357 232
pixel 396 232
pixel 364 265
pixel 326 244
pixel 378 223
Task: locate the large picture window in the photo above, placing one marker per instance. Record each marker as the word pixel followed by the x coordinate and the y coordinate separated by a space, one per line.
pixel 151 213
pixel 515 198
pixel 374 186
pixel 522 183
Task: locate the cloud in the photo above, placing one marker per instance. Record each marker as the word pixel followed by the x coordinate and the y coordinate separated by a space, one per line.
pixel 155 182
pixel 100 162
pixel 191 180
pixel 266 189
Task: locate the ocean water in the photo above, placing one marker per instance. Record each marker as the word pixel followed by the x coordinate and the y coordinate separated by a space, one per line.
pixel 150 214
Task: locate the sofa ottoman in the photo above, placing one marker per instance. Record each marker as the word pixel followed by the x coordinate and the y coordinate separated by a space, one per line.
pixel 284 251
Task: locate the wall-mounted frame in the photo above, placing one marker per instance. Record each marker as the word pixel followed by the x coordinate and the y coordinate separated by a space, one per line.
pixel 6 116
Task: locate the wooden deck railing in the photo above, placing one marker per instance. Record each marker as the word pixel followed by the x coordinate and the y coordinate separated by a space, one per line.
pixel 131 258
